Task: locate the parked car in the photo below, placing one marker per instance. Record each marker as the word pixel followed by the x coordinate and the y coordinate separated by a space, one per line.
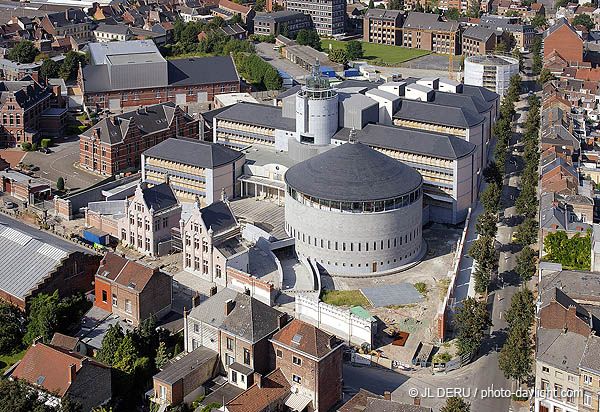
pixel 45 150
pixel 10 205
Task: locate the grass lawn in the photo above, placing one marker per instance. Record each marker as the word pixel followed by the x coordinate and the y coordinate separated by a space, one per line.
pixel 6 361
pixel 345 298
pixel 191 54
pixel 378 52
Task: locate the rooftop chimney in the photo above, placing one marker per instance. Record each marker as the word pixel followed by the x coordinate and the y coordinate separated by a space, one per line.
pixel 228 306
pixel 282 320
pixel 72 372
pixel 258 380
pixel 331 342
pixel 387 395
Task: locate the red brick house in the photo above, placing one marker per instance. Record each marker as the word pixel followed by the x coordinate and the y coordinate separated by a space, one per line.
pixel 311 360
pixel 116 144
pixel 132 289
pixel 563 38
pixel 562 312
pixel 58 373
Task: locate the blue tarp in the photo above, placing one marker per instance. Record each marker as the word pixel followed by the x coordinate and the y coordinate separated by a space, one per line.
pixel 328 71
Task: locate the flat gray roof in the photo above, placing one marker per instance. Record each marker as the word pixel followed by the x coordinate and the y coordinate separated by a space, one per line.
pixel 184 365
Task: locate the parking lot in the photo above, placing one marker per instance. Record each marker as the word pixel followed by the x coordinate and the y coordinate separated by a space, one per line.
pixel 274 58
pixel 61 162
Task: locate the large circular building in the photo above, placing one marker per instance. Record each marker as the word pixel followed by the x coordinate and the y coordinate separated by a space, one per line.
pixel 491 71
pixel 354 211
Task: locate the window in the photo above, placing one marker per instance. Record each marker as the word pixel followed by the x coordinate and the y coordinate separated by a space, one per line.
pixel 147 244
pixel 246 356
pixel 114 300
pixel 157 225
pixel 229 343
pixel 545 385
pixel 162 392
pixel 229 359
pixel 165 222
pixel 123 234
pixel 570 396
pixel 297 378
pixel 572 379
pixel 587 398
pixel 188 260
pixel 205 266
pixel 545 369
pixel 218 271
pixel 557 391
pixel 587 379
pixel 233 376
pixel 127 306
pixel 279 353
pixel 297 360
pixel 104 296
pixel 194 344
pixel 196 328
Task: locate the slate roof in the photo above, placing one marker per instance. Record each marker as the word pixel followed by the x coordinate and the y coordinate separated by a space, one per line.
pixel 47 366
pixel 279 16
pixel 561 22
pixel 125 272
pixel 382 14
pixel 474 103
pixel 485 94
pixel 478 33
pixel 218 216
pixel 113 29
pixel 561 350
pixel 193 152
pixel 249 319
pixel 591 355
pixel 151 119
pixel 275 386
pixel 445 146
pixel 31 95
pixel 178 369
pixel 445 115
pixel 428 21
pixel 76 16
pixel 305 338
pixel 353 172
pixel 259 115
pixel 159 197
pixel 28 255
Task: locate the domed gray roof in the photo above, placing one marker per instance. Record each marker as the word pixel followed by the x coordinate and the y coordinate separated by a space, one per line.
pixel 353 172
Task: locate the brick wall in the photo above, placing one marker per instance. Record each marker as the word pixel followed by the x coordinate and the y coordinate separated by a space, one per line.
pixel 63 208
pixel 156 297
pixel 99 287
pixel 329 382
pixel 554 316
pixel 102 222
pixel 566 43
pixel 259 289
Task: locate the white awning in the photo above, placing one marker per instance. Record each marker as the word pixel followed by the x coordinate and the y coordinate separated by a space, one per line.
pixel 297 402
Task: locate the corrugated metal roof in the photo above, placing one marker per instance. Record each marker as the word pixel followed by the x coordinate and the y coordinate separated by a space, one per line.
pixel 16 236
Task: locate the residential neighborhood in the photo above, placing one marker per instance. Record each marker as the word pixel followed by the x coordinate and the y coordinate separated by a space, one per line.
pixel 298 206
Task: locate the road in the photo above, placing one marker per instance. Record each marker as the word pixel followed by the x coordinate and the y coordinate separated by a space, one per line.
pixel 274 58
pixel 60 163
pixel 481 382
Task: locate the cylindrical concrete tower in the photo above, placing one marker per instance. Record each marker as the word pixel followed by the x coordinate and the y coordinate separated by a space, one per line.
pixel 316 110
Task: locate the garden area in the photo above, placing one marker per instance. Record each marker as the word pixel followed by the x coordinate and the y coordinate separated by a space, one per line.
pixel 378 53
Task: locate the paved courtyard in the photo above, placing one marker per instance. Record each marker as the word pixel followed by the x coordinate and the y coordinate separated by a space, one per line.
pixel 274 58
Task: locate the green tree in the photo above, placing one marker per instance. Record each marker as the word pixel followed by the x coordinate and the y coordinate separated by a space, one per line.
pixel 49 69
pixel 354 50
pixel 526 203
pixel 338 56
pixel 371 4
pixel 177 30
pixel 483 280
pixel 456 404
pixel 310 38
pixel 70 64
pixel 453 13
pixel 515 358
pixel 396 5
pixel 572 253
pixel 472 319
pixel 490 198
pixel 545 76
pixel 486 225
pixel 583 20
pixel 44 317
pixel 103 409
pixel 68 404
pixel 474 8
pixel 12 328
pixel 527 232
pixel 60 184
pixel 272 79
pixel 110 344
pixel 526 262
pixel 522 309
pixel 539 21
pixel 512 13
pixel 23 52
pixel 126 355
pixel 162 356
pixel 493 173
pixel 17 396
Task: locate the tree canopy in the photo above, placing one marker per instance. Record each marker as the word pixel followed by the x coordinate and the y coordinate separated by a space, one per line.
pixel 12 328
pixel 23 52
pixel 354 50
pixel 472 319
pixel 310 38
pixel 456 404
pixel 583 20
pixel 572 253
pixel 526 263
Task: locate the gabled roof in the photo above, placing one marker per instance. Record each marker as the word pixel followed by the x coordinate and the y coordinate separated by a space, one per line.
pixel 274 386
pixel 560 23
pixel 48 366
pixel 218 217
pixel 179 368
pixel 258 114
pixel 306 338
pixel 478 33
pixel 159 197
pixel 26 92
pixel 428 21
pixel 591 354
pixel 444 115
pixel 125 272
pixel 249 319
pixel 75 16
pixel 558 349
pixel 68 343
pixel 193 152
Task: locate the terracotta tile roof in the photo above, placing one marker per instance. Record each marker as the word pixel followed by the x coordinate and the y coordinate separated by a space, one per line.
pixel 63 341
pixel 358 402
pixel 234 6
pixel 125 272
pixel 305 338
pixel 274 388
pixel 588 74
pixel 48 366
pixel 537 6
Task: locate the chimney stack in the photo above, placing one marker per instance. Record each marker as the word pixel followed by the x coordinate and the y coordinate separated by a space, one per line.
pixel 72 372
pixel 228 306
pixel 258 380
pixel 331 342
pixel 387 395
pixel 212 291
pixel 281 320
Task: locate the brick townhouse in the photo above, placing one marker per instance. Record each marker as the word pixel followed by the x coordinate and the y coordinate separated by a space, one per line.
pixel 116 144
pixel 428 31
pixel 113 78
pixel 477 41
pixel 311 360
pixel 132 290
pixel 29 110
pixel 71 22
pixel 563 39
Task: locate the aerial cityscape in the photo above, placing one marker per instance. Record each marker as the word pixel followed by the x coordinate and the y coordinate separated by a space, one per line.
pixel 299 206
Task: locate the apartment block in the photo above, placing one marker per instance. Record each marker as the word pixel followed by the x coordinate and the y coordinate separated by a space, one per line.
pixel 383 26
pixel 328 16
pixel 428 31
pixel 285 22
